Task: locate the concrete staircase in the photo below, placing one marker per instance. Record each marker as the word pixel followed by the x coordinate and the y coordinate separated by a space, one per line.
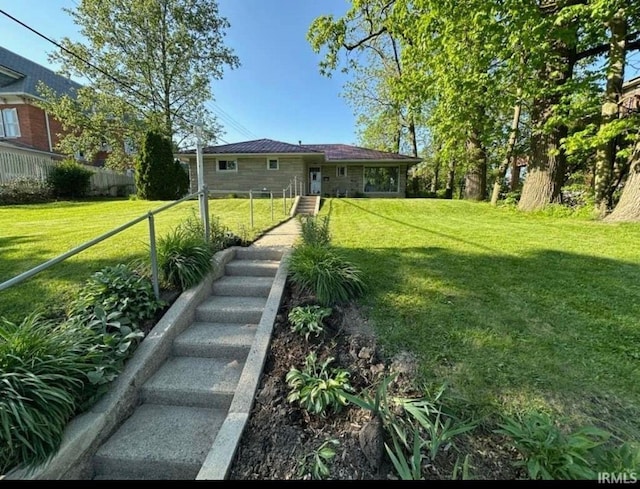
pixel 308 205
pixel 185 402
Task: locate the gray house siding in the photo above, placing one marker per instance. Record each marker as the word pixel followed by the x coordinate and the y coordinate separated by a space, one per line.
pixel 251 174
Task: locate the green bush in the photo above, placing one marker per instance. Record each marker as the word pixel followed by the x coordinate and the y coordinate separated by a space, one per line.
pixel 315 231
pixel 69 179
pixel 158 175
pixel 24 191
pixel 317 387
pixel 308 319
pixel 43 368
pixel 120 289
pixel 323 272
pixel 184 258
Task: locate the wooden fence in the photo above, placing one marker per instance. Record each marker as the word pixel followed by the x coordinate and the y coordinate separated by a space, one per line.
pixel 14 165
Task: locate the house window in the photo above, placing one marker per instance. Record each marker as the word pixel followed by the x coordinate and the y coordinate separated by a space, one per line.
pixel 227 165
pixel 381 179
pixel 273 164
pixel 9 126
pixel 341 171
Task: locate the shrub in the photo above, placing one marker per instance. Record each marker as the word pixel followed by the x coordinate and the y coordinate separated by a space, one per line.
pixel 184 259
pixel 69 179
pixel 118 289
pixel 549 452
pixel 42 376
pixel 308 319
pixel 323 272
pixel 158 175
pixel 318 388
pixel 315 231
pixel 24 191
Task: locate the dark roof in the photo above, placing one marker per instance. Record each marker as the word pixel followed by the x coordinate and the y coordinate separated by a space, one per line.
pixel 255 147
pixel 345 152
pixel 332 152
pixel 25 75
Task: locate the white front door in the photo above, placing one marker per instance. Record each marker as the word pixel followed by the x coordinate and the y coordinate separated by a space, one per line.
pixel 315 181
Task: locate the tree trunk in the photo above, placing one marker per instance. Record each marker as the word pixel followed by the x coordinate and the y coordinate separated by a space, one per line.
pixel 436 177
pixel 606 153
pixel 628 208
pixel 546 167
pixel 414 139
pixel 515 175
pixel 451 181
pixel 475 185
pixel 511 144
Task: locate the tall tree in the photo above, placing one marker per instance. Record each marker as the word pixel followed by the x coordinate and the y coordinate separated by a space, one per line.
pixel 159 56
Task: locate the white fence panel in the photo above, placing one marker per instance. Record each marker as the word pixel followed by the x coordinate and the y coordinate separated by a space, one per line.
pixel 24 165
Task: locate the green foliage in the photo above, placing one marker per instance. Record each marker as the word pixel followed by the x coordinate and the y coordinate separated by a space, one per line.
pixel 184 258
pixel 318 388
pixel 418 427
pixel 43 368
pixel 326 274
pixel 551 453
pixel 315 230
pixel 172 84
pixel 222 237
pixel 120 289
pixel 24 190
pixel 623 458
pixel 158 176
pixel 317 463
pixel 308 319
pixel 69 179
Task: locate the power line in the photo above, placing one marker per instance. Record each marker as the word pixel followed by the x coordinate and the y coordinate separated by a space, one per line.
pixel 233 122
pixel 88 63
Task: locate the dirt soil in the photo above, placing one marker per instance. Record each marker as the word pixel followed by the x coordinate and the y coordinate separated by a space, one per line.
pixel 280 434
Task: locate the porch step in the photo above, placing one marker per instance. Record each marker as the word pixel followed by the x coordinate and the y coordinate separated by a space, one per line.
pixel 215 340
pixel 230 309
pixel 252 268
pixel 159 442
pixel 238 285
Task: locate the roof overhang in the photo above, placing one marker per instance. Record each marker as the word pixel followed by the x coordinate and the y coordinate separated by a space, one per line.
pixel 247 155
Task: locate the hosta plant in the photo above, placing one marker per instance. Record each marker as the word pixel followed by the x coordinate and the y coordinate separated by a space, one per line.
pixel 318 388
pixel 307 320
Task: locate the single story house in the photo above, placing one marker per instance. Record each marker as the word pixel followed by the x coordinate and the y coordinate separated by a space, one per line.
pixel 317 169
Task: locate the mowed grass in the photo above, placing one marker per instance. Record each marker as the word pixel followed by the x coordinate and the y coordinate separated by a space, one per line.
pixel 33 234
pixel 514 312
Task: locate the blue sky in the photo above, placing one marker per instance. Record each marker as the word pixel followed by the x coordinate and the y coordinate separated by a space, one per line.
pixel 276 93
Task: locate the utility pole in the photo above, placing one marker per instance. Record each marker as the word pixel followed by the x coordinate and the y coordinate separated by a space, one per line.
pixel 203 196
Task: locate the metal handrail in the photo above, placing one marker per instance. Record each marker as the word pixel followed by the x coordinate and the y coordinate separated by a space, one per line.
pixel 154 262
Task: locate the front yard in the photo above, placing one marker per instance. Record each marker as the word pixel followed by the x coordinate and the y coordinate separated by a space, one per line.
pixel 33 234
pixel 514 312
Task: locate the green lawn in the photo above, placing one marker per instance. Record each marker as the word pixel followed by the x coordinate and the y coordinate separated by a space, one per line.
pixel 513 311
pixel 33 234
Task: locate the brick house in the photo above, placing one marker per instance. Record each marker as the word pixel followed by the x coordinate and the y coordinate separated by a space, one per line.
pixel 23 125
pixel 321 169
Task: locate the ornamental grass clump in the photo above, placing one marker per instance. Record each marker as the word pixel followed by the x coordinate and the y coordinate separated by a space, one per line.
pixel 322 271
pixel 43 380
pixel 184 258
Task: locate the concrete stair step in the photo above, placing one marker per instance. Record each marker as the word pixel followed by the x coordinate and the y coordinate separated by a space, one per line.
pixel 228 309
pixel 194 382
pixel 159 442
pixel 215 340
pixel 252 268
pixel 258 253
pixel 243 286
